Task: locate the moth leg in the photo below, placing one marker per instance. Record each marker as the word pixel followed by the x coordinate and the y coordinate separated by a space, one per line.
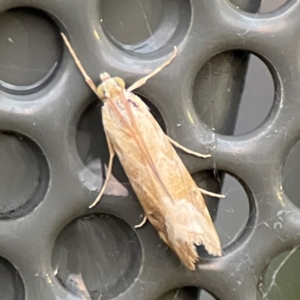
pixel 143 80
pixel 205 192
pixel 142 223
pixel 186 149
pixel 88 80
pixel 109 169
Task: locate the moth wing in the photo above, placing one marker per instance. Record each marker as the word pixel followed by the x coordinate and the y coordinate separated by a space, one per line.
pixel 188 222
pixel 170 198
pixel 187 219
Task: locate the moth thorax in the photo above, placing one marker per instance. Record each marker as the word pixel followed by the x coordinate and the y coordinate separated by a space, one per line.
pixel 109 86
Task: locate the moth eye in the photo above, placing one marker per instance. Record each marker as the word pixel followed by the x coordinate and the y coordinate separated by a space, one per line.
pixel 100 91
pixel 120 82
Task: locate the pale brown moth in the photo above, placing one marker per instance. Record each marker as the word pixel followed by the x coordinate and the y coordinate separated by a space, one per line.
pixel 171 200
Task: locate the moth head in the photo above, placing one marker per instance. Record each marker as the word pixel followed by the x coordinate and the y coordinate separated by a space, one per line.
pixel 109 85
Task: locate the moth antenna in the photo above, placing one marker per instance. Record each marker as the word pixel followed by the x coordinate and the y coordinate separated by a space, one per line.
pixel 87 78
pixel 143 80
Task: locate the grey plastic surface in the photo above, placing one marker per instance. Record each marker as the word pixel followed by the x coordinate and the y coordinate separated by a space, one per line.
pixel 54 154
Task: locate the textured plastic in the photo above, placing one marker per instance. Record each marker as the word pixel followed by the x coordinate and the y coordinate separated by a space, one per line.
pixel 54 154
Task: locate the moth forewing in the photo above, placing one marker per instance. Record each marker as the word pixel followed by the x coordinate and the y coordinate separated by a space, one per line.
pixel 170 198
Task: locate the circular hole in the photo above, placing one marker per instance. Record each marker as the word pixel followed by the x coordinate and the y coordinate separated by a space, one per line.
pixel 290 175
pixel 271 5
pixel 101 251
pixel 93 150
pixel 24 175
pixel 211 181
pixel 11 285
pixel 145 26
pixel 281 280
pixel 185 293
pixel 233 211
pixel 233 85
pixel 30 49
pixel 248 6
pixel 204 295
pixel 231 214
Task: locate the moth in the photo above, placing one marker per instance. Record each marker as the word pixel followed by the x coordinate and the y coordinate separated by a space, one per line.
pixel 171 200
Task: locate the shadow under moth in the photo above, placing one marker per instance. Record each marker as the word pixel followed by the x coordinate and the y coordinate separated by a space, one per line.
pixel 170 198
